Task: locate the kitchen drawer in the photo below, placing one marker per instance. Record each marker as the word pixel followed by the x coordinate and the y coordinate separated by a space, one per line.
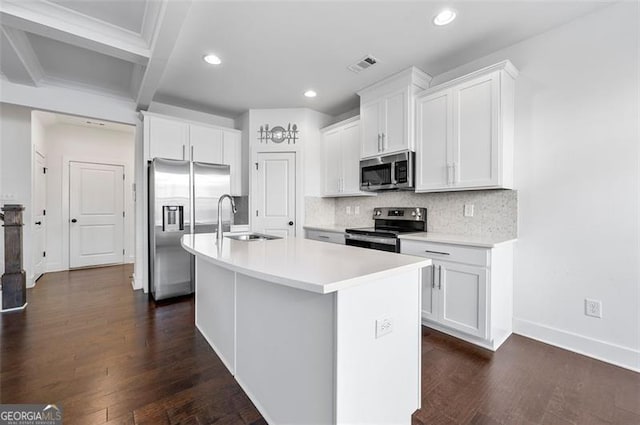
pixel 318 235
pixel 439 251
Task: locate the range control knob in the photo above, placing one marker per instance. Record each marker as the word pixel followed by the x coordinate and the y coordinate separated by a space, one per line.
pixel 413 213
pixel 378 212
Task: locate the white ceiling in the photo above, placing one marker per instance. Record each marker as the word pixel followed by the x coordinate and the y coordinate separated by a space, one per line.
pixel 127 14
pixel 271 51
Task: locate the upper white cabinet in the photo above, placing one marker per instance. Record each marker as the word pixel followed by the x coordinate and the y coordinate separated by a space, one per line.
pixel 168 138
pixel 387 113
pixel 206 144
pixel 172 138
pixel 341 159
pixel 232 155
pixel 464 132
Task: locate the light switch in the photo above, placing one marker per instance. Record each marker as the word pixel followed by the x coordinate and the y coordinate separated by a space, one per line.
pixel 468 210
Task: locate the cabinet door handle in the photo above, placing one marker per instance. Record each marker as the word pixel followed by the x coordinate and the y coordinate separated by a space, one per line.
pixel 433 276
pixel 439 277
pixel 453 178
pixel 384 145
pixel 183 152
pixel 436 252
pixel 192 153
pixel 448 174
pixel 323 237
pixel 379 137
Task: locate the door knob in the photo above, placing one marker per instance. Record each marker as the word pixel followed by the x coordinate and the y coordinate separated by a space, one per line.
pixel 73 220
pixel 38 223
pixel 291 223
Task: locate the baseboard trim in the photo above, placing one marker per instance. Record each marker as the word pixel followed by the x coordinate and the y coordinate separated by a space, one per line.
pixel 8 310
pixel 617 355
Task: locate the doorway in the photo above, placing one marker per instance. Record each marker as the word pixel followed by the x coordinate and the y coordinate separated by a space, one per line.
pixel 276 194
pixel 96 214
pixel 39 214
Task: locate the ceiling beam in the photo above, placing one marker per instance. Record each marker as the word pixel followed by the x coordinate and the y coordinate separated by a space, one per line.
pixel 59 23
pixel 171 16
pixel 20 63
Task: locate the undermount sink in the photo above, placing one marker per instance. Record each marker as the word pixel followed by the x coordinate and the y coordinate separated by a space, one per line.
pixel 252 237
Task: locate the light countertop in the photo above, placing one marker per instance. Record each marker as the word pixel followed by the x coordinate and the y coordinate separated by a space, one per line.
pixel 477 241
pixel 301 263
pixel 325 228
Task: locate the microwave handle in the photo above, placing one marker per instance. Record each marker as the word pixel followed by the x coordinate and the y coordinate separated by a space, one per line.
pixel 393 173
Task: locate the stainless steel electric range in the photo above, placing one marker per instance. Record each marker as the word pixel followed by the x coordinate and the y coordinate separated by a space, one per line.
pixel 388 224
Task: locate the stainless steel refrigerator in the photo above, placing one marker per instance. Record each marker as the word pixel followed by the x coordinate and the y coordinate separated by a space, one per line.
pixel 181 193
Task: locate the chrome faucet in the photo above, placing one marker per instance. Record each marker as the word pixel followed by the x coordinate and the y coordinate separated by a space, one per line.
pixel 233 210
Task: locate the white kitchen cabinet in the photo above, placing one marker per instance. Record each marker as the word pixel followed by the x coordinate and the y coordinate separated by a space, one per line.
pixel 232 155
pixel 174 138
pixel 341 159
pixel 325 236
pixel 206 144
pixel 167 138
pixel 387 111
pixel 464 132
pixel 468 292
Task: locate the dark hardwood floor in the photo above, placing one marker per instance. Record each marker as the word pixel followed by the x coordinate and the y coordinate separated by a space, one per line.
pixel 108 355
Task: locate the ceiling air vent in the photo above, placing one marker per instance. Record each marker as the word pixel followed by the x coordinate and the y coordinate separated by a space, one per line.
pixel 363 64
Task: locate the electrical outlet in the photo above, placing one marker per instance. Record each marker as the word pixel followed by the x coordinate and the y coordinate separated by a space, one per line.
pixel 468 210
pixel 384 326
pixel 357 210
pixel 593 308
pixel 348 210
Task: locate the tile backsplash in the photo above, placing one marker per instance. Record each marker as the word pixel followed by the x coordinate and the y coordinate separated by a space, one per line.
pixel 495 211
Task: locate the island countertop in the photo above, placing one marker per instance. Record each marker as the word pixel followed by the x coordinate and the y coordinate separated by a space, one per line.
pixel 314 266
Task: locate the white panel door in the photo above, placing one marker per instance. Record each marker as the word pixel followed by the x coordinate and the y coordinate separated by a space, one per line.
pixel 350 141
pixel 463 297
pixel 475 153
pixel 370 115
pixel 333 163
pixel 232 156
pixel 395 136
pixel 39 215
pixel 96 212
pixel 168 139
pixel 276 194
pixel 206 144
pixel 434 133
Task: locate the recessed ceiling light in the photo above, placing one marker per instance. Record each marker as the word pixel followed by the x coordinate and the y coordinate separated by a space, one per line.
pixel 445 17
pixel 212 59
pixel 310 93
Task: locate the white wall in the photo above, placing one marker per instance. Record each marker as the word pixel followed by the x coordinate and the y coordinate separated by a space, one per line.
pixel 307 149
pixel 190 114
pixel 15 171
pixel 577 157
pixel 67 142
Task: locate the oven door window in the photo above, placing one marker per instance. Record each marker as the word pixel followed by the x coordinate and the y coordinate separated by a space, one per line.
pixel 376 175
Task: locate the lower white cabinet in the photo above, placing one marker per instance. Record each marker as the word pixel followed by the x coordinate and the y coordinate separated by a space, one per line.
pixel 468 291
pixel 325 236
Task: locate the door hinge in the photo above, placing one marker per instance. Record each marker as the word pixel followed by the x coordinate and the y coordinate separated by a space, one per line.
pixel 44 253
pixel 256 166
pixel 44 212
pixel 44 170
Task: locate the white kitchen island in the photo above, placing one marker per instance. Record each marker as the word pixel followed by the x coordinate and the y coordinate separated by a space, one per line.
pixel 315 333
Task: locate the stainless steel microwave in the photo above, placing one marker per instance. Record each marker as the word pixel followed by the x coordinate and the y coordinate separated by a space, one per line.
pixel 388 172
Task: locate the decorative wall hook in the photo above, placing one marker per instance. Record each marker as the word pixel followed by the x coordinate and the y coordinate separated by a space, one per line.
pixel 278 134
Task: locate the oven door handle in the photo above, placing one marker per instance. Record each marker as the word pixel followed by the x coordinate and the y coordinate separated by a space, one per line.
pixel 374 239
